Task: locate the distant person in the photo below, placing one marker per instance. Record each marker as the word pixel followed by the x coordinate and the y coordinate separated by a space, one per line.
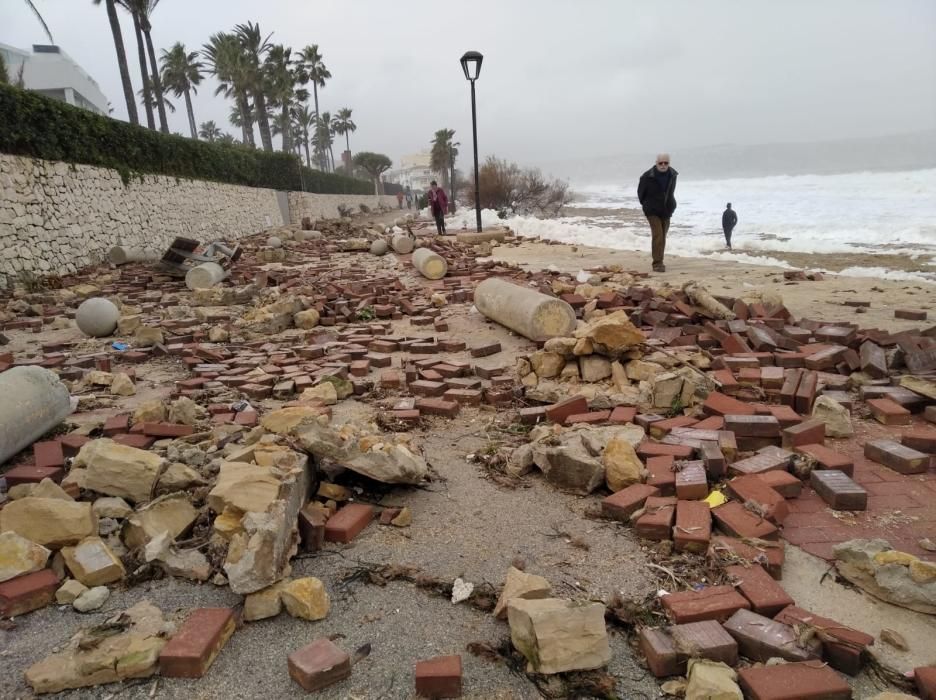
pixel 729 219
pixel 409 198
pixel 656 194
pixel 438 204
pixel 399 199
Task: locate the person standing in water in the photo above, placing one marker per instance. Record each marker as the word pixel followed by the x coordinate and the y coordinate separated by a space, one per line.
pixel 438 205
pixel 729 219
pixel 656 194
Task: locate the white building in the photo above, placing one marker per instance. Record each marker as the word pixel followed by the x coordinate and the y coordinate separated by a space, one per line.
pixel 414 172
pixel 52 72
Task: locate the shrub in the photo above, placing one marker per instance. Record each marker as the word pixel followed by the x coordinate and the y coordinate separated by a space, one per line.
pixel 40 127
pixel 506 187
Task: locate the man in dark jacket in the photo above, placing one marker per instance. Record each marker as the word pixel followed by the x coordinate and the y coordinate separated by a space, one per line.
pixel 656 194
pixel 728 221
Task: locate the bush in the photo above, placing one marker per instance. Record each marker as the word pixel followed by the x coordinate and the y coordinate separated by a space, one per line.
pixel 40 127
pixel 506 187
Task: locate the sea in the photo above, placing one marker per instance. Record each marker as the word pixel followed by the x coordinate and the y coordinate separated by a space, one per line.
pixel 850 218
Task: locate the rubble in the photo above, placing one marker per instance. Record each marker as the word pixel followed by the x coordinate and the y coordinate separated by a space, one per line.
pixel 19 556
pixel 113 469
pixel 559 635
pixel 888 574
pixel 49 522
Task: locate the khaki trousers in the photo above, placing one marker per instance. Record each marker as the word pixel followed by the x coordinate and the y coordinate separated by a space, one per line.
pixel 658 229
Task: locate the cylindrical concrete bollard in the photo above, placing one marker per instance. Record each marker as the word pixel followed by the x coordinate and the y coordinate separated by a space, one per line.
pixel 379 247
pixel 35 401
pixel 429 263
pixel 97 317
pixel 523 310
pixel 205 276
pixel 121 255
pixel 402 244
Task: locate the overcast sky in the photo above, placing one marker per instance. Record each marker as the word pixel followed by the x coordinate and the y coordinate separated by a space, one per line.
pixel 561 79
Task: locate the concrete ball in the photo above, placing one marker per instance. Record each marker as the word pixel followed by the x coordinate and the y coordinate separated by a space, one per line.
pixel 274 242
pixel 97 317
pixel 379 247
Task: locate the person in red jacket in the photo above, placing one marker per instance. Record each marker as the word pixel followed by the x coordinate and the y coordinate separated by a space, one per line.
pixel 438 205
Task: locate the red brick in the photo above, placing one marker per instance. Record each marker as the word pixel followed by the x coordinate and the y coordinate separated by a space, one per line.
pixel 469 397
pixel 319 665
pixel 421 387
pixel 193 649
pixel 752 426
pixel 760 638
pixel 782 482
pixel 785 415
pixel 691 481
pixel 896 456
pixel 48 453
pixel 623 414
pixel 805 680
pixel 486 348
pixel 348 522
pixel 806 393
pixel 167 429
pixel 759 463
pixel 828 458
pixel 391 378
pixel 920 439
pixel 752 488
pixel 713 459
pixel 624 503
pixel 925 677
pixel 810 432
pixel 28 592
pixel 72 443
pixel 910 314
pixel 139 441
pixel 438 407
pixel 661 474
pixel 660 428
pixel 888 412
pixel 736 520
pixel 660 652
pixel 588 418
pixel 769 555
pixel 657 519
pixel 312 528
pixel 838 490
pixel 558 413
pixel 116 425
pixel 246 418
pixel 648 448
pixel 532 415
pixel 712 603
pixel 693 526
pixel 439 677
pixel 667 651
pixel 842 646
pixel 28 474
pixel 766 596
pixel 711 423
pixel 721 405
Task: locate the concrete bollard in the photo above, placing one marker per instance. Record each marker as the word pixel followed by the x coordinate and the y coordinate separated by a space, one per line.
pixel 430 264
pixel 524 310
pixel 379 247
pixel 204 276
pixel 97 317
pixel 121 255
pixel 402 244
pixel 35 401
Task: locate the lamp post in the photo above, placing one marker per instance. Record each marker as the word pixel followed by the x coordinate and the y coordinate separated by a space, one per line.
pixel 471 64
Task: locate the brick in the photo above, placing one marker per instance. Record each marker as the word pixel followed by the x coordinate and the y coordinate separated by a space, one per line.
pixel 920 439
pixel 827 458
pixel 660 428
pixel 772 377
pixel 622 415
pixel 29 474
pixel 910 314
pixel 728 445
pixel 192 650
pixel 760 638
pixel 439 677
pixel 896 456
pixel 921 361
pixel 661 474
pixel 691 481
pixel 719 404
pixel 645 420
pixel 838 490
pixel 468 397
pixel 532 415
pixel 790 385
pixel 167 429
pixel 752 426
pixel 810 432
pixel 591 417
pixel 713 459
pixel 766 596
pixel 312 528
pixel 888 412
pixel 485 349
pixel 693 527
pixel 137 440
pixel 759 463
pixel 712 603
pixel 319 665
pixel 667 651
pixel 558 413
pixel 873 360
pixel 711 423
pixel 782 482
pixel 28 592
pixel 769 555
pixel 842 647
pixel 925 677
pixel 437 407
pixel 806 393
pixel 657 519
pixel 647 448
pixel 806 680
pixel 660 652
pixel 736 520
pixel 72 443
pixel 348 522
pixel 826 359
pixel 422 387
pixel 48 453
pixel 116 425
pixel 627 501
pixel 751 488
pixel 929 414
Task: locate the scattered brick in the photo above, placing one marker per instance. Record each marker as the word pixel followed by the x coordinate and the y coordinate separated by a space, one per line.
pixel 713 603
pixel 804 680
pixel 348 522
pixel 759 463
pixel 592 417
pixel 29 474
pixel 760 638
pixel 693 526
pixel 532 415
pixel 920 439
pixel 838 490
pixel 736 520
pixel 439 677
pixel 167 429
pixel 422 387
pixel 648 448
pixel 806 393
pixel 437 407
pixel 888 412
pixel 558 413
pixel 311 528
pixel 627 501
pixel 319 665
pixel 721 405
pixel 827 458
pixel 751 488
pixel 485 349
pixel 622 415
pixel 910 314
pixel 193 649
pixel 769 555
pixel 925 677
pixel 766 596
pixel 656 522
pixel 810 432
pixel 661 474
pixel 752 426
pixel 896 456
pixel 667 651
pixel 782 482
pixel 842 646
pixel 28 592
pixel 691 481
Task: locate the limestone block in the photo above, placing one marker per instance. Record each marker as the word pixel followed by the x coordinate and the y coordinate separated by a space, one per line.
pixel 173 513
pixel 49 522
pixel 19 556
pixel 559 635
pixel 306 598
pixel 520 584
pixel 119 470
pixel 92 562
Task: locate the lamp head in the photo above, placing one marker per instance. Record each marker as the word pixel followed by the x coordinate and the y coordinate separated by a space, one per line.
pixel 471 64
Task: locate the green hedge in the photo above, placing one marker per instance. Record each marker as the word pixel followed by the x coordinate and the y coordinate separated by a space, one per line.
pixel 38 126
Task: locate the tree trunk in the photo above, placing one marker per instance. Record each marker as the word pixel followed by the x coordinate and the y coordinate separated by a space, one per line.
pixel 287 140
pixel 266 136
pixel 305 142
pixel 347 136
pixel 144 73
pixel 191 113
pixel 246 119
pixel 331 152
pixel 157 82
pixel 315 94
pixel 122 62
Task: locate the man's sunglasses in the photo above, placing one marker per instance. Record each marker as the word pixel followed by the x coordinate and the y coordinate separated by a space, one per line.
pixel 663 162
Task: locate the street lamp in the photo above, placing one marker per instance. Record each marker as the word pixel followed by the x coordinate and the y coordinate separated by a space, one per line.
pixel 471 64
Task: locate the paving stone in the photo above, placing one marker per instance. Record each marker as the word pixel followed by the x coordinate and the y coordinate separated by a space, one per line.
pixel 668 650
pixel 439 677
pixel 624 503
pixel 888 412
pixel 760 638
pixel 810 432
pixel 751 488
pixel 656 522
pixel 752 426
pixel 759 463
pixel 192 650
pixel 843 647
pixel 713 459
pixel 925 677
pixel 28 592
pixel 736 520
pixel 348 522
pixel 838 490
pixel 805 680
pixel 558 413
pixel 693 527
pixel 898 457
pixel 766 596
pixel 622 415
pixel 769 555
pixel 920 439
pixel 782 482
pixel 712 603
pixel 661 474
pixel 648 448
pixel 721 405
pixel 691 481
pixel 827 458
pixel 910 314
pixel 319 665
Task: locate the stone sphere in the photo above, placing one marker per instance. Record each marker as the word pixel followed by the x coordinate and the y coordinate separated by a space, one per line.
pixel 401 222
pixel 379 247
pixel 97 317
pixel 299 236
pixel 274 242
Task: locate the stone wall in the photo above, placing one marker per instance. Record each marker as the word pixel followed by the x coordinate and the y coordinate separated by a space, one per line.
pixel 325 206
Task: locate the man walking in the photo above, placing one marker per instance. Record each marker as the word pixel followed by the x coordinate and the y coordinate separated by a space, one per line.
pixel 399 199
pixel 409 198
pixel 438 204
pixel 656 194
pixel 729 219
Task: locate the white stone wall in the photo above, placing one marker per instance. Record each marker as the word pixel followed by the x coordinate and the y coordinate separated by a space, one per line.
pixel 325 206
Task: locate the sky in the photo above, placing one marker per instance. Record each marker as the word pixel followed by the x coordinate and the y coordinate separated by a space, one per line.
pixel 561 79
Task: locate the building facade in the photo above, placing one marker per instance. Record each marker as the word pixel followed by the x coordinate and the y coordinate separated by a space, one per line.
pixel 414 172
pixel 52 72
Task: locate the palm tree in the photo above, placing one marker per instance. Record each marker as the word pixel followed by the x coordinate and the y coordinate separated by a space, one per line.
pixel 227 138
pixel 280 76
pixel 305 121
pixel 226 62
pixel 442 157
pixel 322 140
pixel 254 47
pixel 144 70
pixel 151 99
pixel 142 10
pixel 121 59
pixel 343 125
pixel 45 27
pixel 313 70
pixel 209 131
pixel 181 73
